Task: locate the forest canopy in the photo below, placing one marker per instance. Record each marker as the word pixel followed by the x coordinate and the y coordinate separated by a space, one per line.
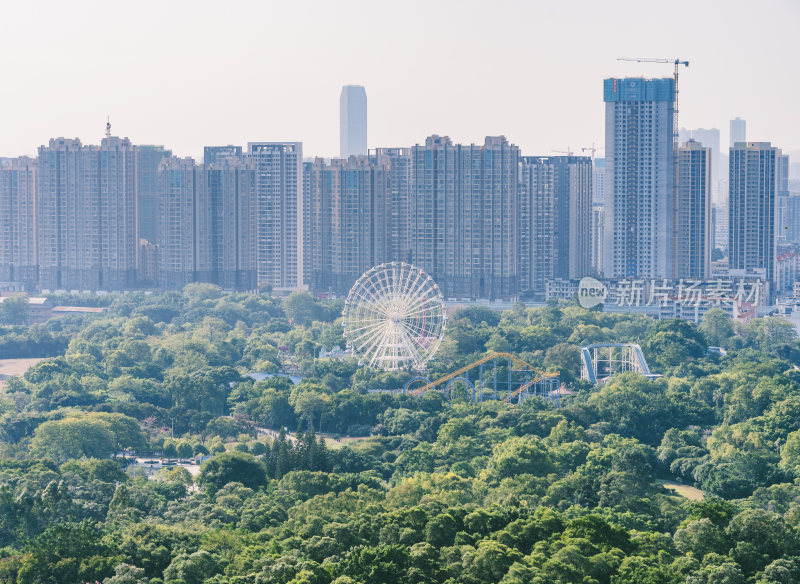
pixel 320 471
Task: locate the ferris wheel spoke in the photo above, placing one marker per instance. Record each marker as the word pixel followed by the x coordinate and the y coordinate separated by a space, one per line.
pixel 382 347
pixel 366 287
pixel 410 282
pixel 368 336
pixel 377 303
pixel 415 331
pixel 410 345
pixel 418 311
pixel 388 286
pixel 365 327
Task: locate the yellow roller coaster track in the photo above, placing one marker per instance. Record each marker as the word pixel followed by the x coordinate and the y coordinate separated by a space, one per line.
pixel 529 384
pixel 485 359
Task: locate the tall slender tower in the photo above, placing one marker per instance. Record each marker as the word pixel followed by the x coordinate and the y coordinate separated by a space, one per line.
pixel 693 240
pixel 738 131
pixel 279 213
pixel 231 194
pixel 639 206
pixel 353 121
pixel 147 189
pixel 751 223
pixel 182 225
pixel 555 213
pixel 18 257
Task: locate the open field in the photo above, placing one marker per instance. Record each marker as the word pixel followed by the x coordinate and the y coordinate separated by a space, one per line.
pixel 12 367
pixel 691 493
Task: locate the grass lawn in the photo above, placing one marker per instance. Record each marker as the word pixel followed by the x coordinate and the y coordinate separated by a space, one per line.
pixel 691 493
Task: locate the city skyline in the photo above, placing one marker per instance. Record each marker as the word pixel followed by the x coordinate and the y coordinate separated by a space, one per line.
pixel 156 104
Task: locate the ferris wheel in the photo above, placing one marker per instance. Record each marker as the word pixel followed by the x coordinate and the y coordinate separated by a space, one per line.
pixel 394 317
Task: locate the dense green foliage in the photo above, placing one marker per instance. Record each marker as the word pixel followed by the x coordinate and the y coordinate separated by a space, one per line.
pixel 414 489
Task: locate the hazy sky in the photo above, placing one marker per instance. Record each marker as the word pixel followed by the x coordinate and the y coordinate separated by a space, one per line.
pixel 192 73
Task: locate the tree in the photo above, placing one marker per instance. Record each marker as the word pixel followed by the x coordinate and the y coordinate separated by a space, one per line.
pixel 490 563
pixel 184 450
pixel 170 450
pixel 190 568
pixel 717 327
pixel 497 343
pixel 309 405
pixel 565 359
pixel 74 438
pixel 128 433
pixel 671 342
pixel 127 574
pixel 520 455
pixel 333 335
pixel 229 467
pixel 790 453
pixel 769 332
pixel 441 530
pixel 15 309
pixel 781 571
pixel 200 291
pixel 765 531
pixel 701 537
pixel 300 308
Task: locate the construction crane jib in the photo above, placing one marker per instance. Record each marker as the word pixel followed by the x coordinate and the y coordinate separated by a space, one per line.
pixel 677 63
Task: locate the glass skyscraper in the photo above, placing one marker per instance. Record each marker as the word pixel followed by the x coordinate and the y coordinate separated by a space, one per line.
pixel 353 121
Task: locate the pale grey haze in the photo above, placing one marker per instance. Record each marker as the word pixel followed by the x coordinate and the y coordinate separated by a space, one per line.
pixel 192 73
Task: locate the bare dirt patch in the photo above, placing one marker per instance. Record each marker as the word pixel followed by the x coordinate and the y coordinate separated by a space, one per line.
pixel 12 367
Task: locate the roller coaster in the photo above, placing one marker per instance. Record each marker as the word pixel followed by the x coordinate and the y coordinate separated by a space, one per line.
pixel 601 361
pixel 521 382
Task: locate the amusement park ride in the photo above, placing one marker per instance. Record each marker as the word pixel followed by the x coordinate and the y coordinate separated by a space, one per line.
pixel 394 318
pixel 529 381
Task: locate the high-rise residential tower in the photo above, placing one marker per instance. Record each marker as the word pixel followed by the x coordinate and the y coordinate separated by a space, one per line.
pixel 782 170
pixel 598 202
pixel 230 185
pixel 87 215
pixel 149 157
pixel 353 121
pixel 463 216
pixel 400 161
pixel 215 154
pixel 350 217
pixel 18 257
pixel 555 219
pixel 599 181
pixel 183 226
pixel 751 223
pixel 708 137
pixel 117 240
pixel 279 213
pixel 598 238
pixel 639 207
pixel 693 229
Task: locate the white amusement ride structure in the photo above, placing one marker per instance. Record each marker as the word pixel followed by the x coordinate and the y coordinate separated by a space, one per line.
pixel 394 317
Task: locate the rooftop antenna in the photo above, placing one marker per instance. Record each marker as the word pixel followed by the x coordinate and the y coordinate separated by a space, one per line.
pixel 108 126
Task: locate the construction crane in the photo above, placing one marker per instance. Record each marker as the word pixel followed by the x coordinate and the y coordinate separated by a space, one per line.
pixel 677 63
pixel 568 151
pixel 675 138
pixel 593 149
